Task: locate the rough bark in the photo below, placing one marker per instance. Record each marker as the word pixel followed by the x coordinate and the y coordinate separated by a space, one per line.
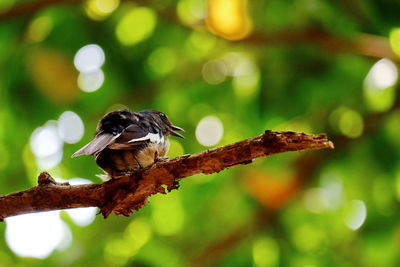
pixel 131 191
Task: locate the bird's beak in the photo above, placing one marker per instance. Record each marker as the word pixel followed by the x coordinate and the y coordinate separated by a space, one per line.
pixel 176 128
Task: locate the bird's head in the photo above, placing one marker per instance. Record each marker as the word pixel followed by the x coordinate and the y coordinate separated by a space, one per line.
pixel 162 120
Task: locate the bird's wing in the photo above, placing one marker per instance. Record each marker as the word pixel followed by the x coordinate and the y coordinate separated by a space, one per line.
pixel 100 142
pixel 138 134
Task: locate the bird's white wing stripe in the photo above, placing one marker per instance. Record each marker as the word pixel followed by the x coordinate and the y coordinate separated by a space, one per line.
pixel 154 138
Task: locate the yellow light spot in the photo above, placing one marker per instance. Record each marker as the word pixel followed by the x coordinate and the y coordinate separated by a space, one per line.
pixel 200 44
pixel 136 25
pixel 119 249
pixel 175 149
pixel 190 12
pixel 54 75
pixel 39 29
pixel 246 85
pixel 228 18
pixel 162 61
pixel 100 9
pixel 138 233
pixel 167 215
pixel 307 237
pixel 265 252
pixel 351 123
pixel 394 38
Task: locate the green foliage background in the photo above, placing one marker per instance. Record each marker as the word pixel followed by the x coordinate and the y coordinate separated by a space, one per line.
pixel 309 62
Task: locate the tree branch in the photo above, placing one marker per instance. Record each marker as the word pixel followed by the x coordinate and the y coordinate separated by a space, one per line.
pixel 130 192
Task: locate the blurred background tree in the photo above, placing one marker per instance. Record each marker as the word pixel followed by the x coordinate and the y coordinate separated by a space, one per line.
pixel 224 70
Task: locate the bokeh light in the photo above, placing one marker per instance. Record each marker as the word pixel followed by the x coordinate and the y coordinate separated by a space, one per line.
pixel 200 44
pixel 228 18
pixel 89 58
pixel 167 215
pixel 394 38
pixel 91 81
pixel 347 121
pixel 118 250
pixel 101 9
pixel 378 85
pixel 355 214
pixel 39 28
pixel 70 127
pixel 214 71
pixel 314 200
pixel 45 140
pixel 191 12
pixel 81 216
pixel 162 61
pixel 327 197
pixel 265 252
pixel 136 25
pixel 53 74
pixel 37 235
pixel 176 149
pixel 382 75
pixel 307 237
pixel 209 131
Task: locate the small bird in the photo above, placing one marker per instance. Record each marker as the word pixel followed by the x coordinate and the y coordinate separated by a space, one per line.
pixel 126 141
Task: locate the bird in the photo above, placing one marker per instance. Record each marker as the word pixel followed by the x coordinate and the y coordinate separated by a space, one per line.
pixel 126 141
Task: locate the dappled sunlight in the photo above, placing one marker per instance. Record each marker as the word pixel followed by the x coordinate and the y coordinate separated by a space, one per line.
pixel 347 121
pixel 89 60
pixel 167 216
pixel 191 12
pixel 265 252
pixel 214 71
pixel 355 214
pixel 91 81
pixel 53 75
pixel 394 38
pixel 47 146
pixel 162 61
pixel 39 29
pixel 100 9
pixel 47 141
pixel 228 18
pixel 378 85
pixel 209 131
pixel 37 235
pixel 81 216
pixel 120 249
pixel 136 25
pixel 70 127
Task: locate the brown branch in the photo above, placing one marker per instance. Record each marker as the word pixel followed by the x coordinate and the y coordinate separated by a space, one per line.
pixel 130 192
pixel 32 7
